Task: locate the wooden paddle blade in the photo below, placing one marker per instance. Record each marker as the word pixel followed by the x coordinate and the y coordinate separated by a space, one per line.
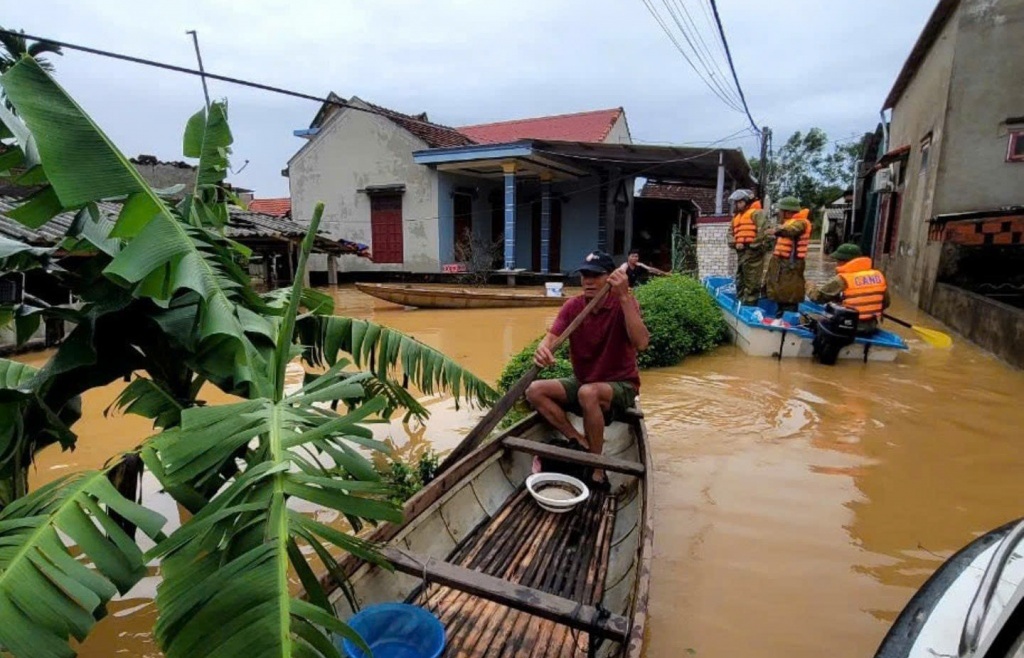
pixel 934 337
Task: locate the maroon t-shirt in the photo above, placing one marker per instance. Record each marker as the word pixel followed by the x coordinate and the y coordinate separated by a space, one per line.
pixel 600 348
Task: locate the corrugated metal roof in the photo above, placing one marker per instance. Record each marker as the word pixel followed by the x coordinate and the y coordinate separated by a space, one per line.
pixel 242 224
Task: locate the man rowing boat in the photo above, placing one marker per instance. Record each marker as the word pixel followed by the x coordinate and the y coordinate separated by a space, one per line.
pixel 603 353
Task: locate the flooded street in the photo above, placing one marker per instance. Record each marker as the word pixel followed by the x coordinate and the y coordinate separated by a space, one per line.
pixel 797 506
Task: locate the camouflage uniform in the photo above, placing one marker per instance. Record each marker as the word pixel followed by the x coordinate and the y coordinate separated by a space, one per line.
pixel 785 279
pixel 750 261
pixel 832 291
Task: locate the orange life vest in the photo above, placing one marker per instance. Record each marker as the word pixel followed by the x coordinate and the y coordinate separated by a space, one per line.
pixel 784 245
pixel 865 287
pixel 744 230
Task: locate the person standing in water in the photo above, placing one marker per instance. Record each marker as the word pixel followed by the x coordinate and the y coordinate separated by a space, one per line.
pixel 748 235
pixel 638 273
pixel 785 279
pixel 603 352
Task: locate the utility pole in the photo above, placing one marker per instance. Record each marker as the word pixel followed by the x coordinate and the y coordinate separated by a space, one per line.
pixel 202 71
pixel 762 175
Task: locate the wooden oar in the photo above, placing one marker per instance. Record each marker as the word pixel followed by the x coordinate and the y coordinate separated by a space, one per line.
pixel 504 405
pixel 930 336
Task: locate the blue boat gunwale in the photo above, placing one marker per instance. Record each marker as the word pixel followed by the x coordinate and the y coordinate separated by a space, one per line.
pixel 726 299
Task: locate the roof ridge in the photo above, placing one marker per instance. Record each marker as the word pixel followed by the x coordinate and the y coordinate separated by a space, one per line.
pixel 566 115
pixel 408 117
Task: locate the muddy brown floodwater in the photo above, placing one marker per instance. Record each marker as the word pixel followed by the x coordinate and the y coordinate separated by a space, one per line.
pixel 797 506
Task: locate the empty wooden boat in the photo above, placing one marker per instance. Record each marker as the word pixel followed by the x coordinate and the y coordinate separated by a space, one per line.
pixel 427 296
pixel 504 576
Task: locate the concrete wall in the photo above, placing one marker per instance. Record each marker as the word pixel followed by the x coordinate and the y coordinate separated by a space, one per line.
pixel 988 71
pixel 910 268
pixel 579 221
pixel 353 150
pixel 619 134
pixel 994 326
pixel 714 257
pixel 162 175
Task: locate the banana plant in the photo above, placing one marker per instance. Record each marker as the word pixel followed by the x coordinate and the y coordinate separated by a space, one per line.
pixel 164 301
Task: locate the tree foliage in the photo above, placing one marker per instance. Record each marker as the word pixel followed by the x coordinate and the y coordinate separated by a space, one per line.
pixel 811 167
pixel 164 299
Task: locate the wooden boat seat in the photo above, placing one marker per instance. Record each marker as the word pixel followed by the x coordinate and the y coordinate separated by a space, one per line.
pixel 574 456
pixel 525 583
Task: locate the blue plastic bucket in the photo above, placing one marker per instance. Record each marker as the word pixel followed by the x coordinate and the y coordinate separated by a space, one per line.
pixel 396 630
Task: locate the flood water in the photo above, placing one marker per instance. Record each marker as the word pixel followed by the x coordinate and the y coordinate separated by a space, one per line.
pixel 797 506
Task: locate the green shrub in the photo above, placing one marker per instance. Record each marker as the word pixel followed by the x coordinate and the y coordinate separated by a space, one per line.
pixel 683 319
pixel 405 479
pixel 517 367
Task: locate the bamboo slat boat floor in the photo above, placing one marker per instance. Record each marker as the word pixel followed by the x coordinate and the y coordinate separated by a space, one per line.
pixel 562 554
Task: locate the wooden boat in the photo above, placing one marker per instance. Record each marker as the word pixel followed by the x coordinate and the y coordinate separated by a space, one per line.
pixel 426 296
pixel 972 607
pixel 749 329
pixel 507 578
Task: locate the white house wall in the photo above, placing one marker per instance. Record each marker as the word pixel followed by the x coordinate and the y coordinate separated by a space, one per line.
pixel 619 134
pixel 984 91
pixel 354 150
pixel 920 110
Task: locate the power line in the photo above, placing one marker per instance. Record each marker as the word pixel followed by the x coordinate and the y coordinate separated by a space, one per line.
pixel 732 67
pixel 700 39
pixel 668 32
pixel 678 17
pixel 215 76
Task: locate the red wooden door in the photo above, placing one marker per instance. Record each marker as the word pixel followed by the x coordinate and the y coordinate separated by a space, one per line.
pixel 386 228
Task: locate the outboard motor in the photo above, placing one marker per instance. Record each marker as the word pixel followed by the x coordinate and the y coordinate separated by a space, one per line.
pixel 834 331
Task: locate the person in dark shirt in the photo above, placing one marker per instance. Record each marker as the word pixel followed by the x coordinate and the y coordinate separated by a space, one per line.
pixel 603 353
pixel 637 272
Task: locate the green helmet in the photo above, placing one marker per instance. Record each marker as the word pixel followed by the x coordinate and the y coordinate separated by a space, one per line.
pixel 845 252
pixel 788 203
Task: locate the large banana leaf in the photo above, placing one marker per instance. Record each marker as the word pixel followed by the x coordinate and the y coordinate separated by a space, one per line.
pixel 208 137
pixel 27 422
pixel 47 593
pixel 225 589
pixel 149 399
pixel 164 255
pixel 388 353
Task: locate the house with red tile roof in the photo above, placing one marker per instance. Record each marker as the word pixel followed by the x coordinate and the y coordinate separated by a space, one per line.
pixel 532 194
pixel 595 126
pixel 279 207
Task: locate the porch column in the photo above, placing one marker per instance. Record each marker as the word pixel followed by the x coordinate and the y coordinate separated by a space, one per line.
pixel 509 168
pixel 545 223
pixel 332 270
pixel 267 258
pixel 720 186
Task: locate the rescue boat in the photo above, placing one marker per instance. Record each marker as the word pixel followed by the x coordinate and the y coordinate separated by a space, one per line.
pixel 756 331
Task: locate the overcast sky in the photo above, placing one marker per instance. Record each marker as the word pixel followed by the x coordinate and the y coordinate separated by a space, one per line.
pixel 802 63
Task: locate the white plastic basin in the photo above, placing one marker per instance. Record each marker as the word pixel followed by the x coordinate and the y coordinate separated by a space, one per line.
pixel 556 492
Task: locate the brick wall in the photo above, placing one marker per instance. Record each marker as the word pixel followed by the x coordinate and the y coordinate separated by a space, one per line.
pixel 994 230
pixel 714 257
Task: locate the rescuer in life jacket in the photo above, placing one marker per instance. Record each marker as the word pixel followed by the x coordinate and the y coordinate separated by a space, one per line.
pixel 856 285
pixel 785 282
pixel 749 236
